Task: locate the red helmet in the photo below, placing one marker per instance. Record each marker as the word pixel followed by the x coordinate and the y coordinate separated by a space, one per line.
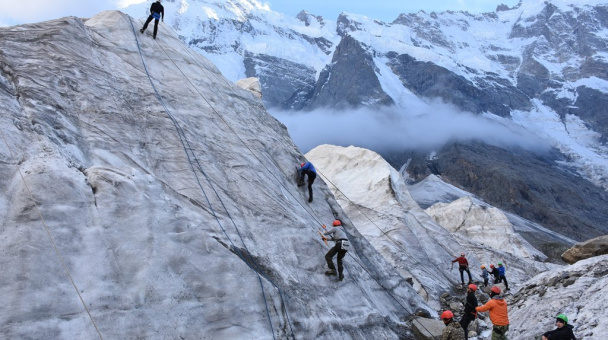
pixel 495 290
pixel 462 254
pixel 337 223
pixel 491 265
pixel 301 165
pixel 447 315
pixel 472 287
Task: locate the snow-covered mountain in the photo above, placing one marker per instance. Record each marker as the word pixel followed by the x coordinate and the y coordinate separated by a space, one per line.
pixel 538 67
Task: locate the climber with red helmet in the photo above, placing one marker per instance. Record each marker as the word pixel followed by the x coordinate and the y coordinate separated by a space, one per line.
pixel 463 265
pixel 452 330
pixel 494 271
pixel 563 330
pixel 157 12
pixel 309 170
pixel 469 313
pixel 498 314
pixel 340 247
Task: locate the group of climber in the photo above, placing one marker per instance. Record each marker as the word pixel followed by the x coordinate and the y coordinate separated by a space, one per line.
pixel 157 12
pixel 496 306
pixel 498 273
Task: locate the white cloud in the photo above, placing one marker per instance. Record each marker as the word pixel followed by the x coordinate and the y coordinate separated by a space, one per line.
pixel 397 128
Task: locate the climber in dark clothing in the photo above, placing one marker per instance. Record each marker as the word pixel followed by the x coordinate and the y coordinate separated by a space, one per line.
pixel 469 313
pixel 562 332
pixel 494 271
pixel 157 11
pixel 309 170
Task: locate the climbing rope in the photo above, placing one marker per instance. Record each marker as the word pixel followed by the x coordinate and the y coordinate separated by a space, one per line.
pixel 48 233
pixel 280 183
pixel 186 146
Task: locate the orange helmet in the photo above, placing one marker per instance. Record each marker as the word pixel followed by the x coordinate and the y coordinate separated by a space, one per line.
pixel 483 266
pixel 337 223
pixel 472 287
pixel 447 315
pixel 495 290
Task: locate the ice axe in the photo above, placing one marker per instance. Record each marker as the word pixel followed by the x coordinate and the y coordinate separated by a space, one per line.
pixel 323 237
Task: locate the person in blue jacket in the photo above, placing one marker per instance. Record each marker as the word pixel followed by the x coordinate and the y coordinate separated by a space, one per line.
pixel 307 169
pixel 157 11
pixel 501 275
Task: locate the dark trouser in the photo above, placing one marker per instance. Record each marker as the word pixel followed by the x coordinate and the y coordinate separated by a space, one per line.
pixel 463 269
pixel 504 279
pixel 485 281
pixel 330 254
pixel 464 322
pixel 496 279
pixel 155 24
pixel 311 178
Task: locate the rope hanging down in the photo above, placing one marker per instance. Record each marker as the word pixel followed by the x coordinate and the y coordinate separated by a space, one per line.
pixel 186 146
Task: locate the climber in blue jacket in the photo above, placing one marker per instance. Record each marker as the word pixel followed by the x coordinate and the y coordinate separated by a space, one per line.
pixel 307 169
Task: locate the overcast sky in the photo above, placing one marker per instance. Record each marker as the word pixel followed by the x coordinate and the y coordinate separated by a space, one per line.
pixel 13 12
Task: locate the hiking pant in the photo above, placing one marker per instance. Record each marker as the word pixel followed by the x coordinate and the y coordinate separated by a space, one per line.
pixel 485 281
pixel 504 279
pixel 464 322
pixel 500 332
pixel 337 249
pixel 462 269
pixel 311 178
pixel 155 24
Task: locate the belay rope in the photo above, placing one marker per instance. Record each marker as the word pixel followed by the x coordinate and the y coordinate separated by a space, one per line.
pixel 186 146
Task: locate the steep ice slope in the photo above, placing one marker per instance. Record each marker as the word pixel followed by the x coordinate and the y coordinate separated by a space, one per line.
pixel 136 207
pixel 375 197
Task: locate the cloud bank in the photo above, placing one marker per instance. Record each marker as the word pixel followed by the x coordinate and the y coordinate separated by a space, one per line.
pixel 424 128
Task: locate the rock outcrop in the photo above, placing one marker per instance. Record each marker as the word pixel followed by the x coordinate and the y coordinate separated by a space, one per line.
pixel 584 250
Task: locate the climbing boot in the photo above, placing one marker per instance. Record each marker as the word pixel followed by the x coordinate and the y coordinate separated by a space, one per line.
pixel 331 272
pixel 310 200
pixel 301 184
pixel 141 30
pixel 341 277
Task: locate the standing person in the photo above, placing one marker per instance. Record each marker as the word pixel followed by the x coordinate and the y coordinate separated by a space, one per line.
pixel 157 11
pixel 485 275
pixel 452 330
pixel 469 310
pixel 498 314
pixel 501 275
pixel 563 330
pixel 340 247
pixel 308 169
pixel 463 265
pixel 495 273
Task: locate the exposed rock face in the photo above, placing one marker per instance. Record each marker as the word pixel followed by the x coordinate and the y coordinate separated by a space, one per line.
pixel 429 80
pixel 338 86
pixel 584 250
pixel 523 183
pixel 287 85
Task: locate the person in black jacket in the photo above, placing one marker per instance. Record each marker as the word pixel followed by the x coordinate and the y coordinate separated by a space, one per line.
pixel 495 273
pixel 469 309
pixel 563 330
pixel 157 11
